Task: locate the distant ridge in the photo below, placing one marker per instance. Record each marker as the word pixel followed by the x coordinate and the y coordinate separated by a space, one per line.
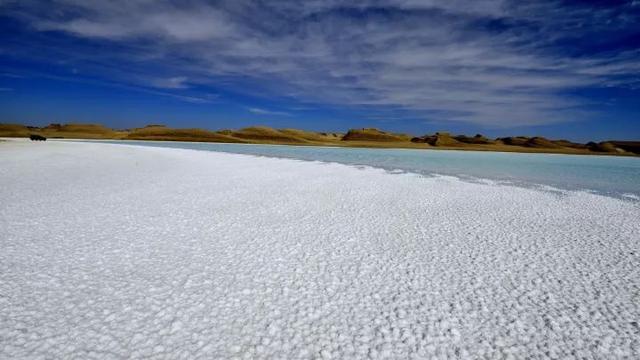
pixel 160 132
pixel 364 137
pixel 267 134
pixel 438 139
pixel 372 134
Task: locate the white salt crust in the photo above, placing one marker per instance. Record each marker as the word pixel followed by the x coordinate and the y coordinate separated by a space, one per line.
pixel 112 251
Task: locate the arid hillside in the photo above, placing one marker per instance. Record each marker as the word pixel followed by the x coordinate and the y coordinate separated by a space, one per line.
pixel 365 137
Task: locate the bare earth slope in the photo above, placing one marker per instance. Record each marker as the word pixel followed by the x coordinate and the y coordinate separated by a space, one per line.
pixel 365 137
pixel 267 135
pixel 168 134
pixel 113 251
pixel 374 135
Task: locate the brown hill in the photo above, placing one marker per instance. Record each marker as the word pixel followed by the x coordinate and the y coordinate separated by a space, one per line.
pixel 445 139
pixel 266 134
pixel 159 132
pixel 604 146
pixel 14 130
pixel 372 134
pixel 367 137
pixel 569 144
pixel 332 135
pixel 540 142
pixel 309 135
pixel 86 129
pixel 78 128
pixel 225 132
pixel 438 139
pixel 478 139
pixel 514 140
pixel 71 131
pixel 631 146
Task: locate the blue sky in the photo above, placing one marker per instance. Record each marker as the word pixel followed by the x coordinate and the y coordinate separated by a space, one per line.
pixel 562 69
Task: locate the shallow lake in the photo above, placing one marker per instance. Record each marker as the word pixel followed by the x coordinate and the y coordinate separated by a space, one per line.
pixel 609 175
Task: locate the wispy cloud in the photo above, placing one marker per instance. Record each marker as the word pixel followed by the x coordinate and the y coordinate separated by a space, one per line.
pixel 489 62
pixel 267 112
pixel 203 98
pixel 11 75
pixel 178 82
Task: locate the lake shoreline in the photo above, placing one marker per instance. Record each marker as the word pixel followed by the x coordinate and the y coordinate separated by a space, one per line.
pixel 516 150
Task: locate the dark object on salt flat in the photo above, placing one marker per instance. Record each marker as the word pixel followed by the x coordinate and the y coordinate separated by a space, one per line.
pixel 34 137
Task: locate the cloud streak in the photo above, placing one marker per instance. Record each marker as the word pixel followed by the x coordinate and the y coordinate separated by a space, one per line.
pixel 492 63
pixel 260 111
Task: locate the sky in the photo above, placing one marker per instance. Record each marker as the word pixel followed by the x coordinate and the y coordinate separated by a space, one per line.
pixel 561 69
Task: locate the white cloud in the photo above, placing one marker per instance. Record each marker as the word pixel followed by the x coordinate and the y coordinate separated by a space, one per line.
pixel 177 82
pixel 267 112
pixel 486 62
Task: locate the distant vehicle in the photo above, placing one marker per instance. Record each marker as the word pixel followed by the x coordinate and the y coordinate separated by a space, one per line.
pixel 34 137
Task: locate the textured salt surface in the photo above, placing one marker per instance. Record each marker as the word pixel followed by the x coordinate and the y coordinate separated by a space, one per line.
pixel 112 251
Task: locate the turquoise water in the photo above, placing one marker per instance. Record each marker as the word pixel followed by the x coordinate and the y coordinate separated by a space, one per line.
pixel 609 175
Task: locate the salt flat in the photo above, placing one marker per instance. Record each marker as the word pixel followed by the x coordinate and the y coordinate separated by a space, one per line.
pixel 111 251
